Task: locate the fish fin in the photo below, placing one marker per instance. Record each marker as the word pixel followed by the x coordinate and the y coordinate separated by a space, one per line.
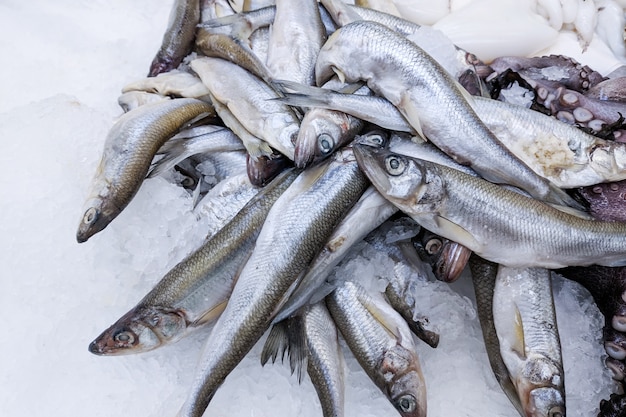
pixel 173 153
pixel 212 314
pixel 411 114
pixel 520 346
pixel 466 94
pixel 456 233
pixel 340 74
pixel 560 197
pixel 287 336
pixel 574 212
pixel 387 320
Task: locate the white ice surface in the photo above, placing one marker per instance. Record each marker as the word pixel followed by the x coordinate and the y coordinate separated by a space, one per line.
pixel 64 63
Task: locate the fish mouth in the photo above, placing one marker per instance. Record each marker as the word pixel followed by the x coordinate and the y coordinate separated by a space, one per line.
pixel 451 262
pixel 370 162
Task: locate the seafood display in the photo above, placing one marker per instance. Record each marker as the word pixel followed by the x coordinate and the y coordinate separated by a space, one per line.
pixel 340 134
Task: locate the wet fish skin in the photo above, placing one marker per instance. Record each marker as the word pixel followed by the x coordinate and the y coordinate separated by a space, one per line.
pixel 388 359
pixel 369 212
pixel 484 279
pixel 223 46
pixel 172 83
pixel 311 336
pixel 301 220
pixel 403 73
pixel 296 37
pixel 250 101
pixel 325 363
pixel 499 225
pixel 196 290
pixel 529 339
pixel 129 148
pixel 178 38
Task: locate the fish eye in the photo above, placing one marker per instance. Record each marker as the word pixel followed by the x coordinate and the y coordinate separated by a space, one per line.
pixel 395 165
pixel 433 246
pixel 325 142
pixel 124 337
pixel 556 412
pixel 90 216
pixel 406 404
pixel 376 139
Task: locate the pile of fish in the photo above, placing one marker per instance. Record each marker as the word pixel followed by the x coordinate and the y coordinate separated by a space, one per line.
pixel 337 128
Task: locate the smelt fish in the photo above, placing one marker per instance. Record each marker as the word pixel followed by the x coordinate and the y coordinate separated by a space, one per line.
pixel 498 224
pixel 525 322
pixel 433 103
pixel 311 336
pixel 179 36
pixel 382 343
pixel 484 279
pixel 129 148
pixel 296 228
pixel 197 289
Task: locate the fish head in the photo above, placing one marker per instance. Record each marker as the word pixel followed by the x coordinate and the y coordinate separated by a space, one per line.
pixel 404 382
pixel 546 402
pixel 140 330
pixel 319 136
pixel 375 139
pixel 446 257
pixel 540 387
pixel 404 181
pixel 99 212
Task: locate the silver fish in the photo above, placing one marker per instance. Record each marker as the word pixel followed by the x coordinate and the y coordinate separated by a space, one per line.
pixel 296 228
pixel 368 213
pixel 435 104
pixel 311 336
pixel 197 289
pixel 296 38
pixel 133 99
pixel 129 148
pixel 484 279
pixel 179 36
pixel 525 322
pixel 179 148
pixel 381 342
pixel 250 101
pixel 172 83
pixel 561 153
pixel 498 224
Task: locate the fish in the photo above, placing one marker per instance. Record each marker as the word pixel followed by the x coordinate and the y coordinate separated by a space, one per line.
pixel 559 152
pixel 367 214
pixel 129 148
pixel 179 36
pixel 484 279
pixel 196 290
pixel 249 99
pixel 215 139
pixel 133 99
pixel 529 339
pixel 311 337
pixel 381 342
pixel 446 257
pixel 497 224
pixel 295 229
pixel 219 45
pixel 296 37
pixel 173 83
pixel 408 270
pixel 411 80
